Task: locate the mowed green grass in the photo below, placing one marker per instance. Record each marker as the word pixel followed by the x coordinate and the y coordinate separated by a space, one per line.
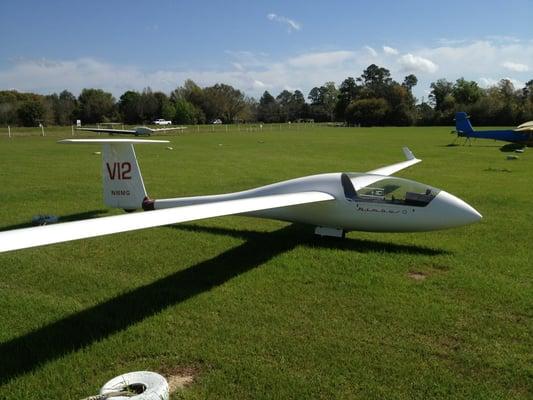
pixel 259 309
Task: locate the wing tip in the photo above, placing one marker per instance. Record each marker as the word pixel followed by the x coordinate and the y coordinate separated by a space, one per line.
pixel 409 154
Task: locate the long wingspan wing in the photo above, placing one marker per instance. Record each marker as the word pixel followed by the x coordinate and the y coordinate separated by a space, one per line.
pixel 391 169
pixel 48 234
pixel 109 140
pixel 176 128
pixel 140 130
pixel 109 130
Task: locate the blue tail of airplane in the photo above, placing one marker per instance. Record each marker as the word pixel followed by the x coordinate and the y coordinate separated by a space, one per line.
pixel 464 128
pixel 462 123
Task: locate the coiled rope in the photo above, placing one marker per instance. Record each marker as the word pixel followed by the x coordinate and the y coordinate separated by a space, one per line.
pixel 140 385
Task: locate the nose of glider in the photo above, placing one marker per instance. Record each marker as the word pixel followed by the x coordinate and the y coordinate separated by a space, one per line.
pixel 453 211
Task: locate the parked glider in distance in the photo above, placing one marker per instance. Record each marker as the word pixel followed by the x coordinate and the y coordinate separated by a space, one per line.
pixel 522 135
pixel 137 131
pixel 334 203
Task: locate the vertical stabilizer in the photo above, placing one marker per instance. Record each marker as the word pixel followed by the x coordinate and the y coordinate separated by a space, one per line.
pixel 123 182
pixel 462 123
pixel 121 175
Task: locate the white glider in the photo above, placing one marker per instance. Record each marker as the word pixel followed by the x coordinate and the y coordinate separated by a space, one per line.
pixel 334 203
pixel 137 131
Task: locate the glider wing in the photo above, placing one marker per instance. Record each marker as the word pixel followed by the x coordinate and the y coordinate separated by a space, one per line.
pixel 109 130
pixel 391 169
pixel 176 128
pixel 64 232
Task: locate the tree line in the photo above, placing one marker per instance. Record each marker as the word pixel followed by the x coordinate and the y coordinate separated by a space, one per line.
pixel 373 98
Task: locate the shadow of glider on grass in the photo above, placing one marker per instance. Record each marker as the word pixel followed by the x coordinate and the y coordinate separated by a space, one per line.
pixel 55 339
pixel 334 203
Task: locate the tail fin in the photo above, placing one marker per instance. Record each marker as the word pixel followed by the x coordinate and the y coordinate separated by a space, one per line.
pixel 123 182
pixel 462 123
pixel 122 179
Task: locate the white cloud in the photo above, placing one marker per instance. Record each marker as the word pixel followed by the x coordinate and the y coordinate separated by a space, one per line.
pixel 488 82
pixel 390 51
pixel 321 59
pixel 517 67
pixel 503 39
pixel 46 76
pixel 451 42
pixel 255 72
pixel 411 63
pixel 291 24
pixel 258 84
pixel 248 58
pixel 371 51
pixel 476 58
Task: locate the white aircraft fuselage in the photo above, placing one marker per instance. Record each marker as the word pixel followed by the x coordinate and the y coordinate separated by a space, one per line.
pixel 357 213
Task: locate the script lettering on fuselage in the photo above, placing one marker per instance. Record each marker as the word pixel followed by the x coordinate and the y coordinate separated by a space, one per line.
pixel 382 210
pixel 119 170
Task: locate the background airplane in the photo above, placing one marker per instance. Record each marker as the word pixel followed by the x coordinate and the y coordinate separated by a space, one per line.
pixel 522 135
pixel 334 203
pixel 137 131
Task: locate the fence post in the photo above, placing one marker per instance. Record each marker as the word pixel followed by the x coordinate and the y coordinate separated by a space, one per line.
pixel 9 131
pixel 42 129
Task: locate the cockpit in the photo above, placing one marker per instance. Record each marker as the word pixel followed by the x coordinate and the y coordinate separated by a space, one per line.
pixel 392 190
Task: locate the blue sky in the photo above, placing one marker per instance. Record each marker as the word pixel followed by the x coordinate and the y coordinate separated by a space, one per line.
pixel 48 46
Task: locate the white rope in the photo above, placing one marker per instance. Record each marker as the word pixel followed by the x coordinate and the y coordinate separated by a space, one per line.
pixel 140 385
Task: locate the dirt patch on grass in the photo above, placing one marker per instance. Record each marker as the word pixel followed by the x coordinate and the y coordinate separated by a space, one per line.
pixel 449 343
pixel 417 276
pixel 180 377
pixel 421 272
pixel 176 382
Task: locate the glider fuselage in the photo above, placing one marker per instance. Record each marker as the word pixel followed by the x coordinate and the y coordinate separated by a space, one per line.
pixel 369 208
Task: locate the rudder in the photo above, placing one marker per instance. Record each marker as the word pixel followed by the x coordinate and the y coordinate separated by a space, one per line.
pixel 123 184
pixel 122 179
pixel 462 123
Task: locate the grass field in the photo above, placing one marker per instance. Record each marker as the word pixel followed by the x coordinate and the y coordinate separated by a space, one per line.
pixel 259 309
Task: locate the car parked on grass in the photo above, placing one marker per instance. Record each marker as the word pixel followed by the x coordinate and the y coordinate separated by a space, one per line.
pixel 162 121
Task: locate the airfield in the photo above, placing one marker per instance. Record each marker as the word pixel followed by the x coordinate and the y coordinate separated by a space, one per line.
pixel 243 308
